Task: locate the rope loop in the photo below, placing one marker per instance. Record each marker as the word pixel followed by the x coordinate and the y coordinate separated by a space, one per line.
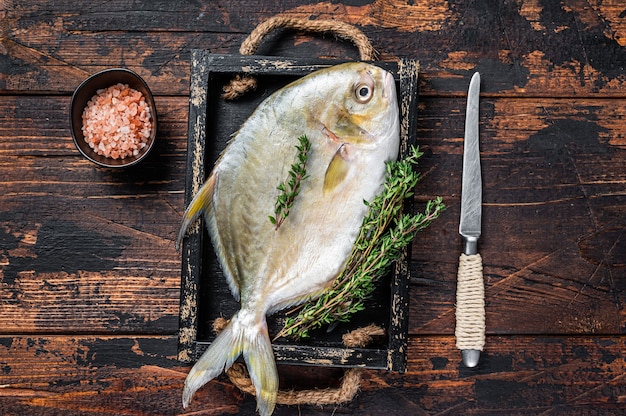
pixel 350 382
pixel 242 84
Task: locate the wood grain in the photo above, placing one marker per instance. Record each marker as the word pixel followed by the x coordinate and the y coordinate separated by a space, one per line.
pixel 572 174
pixel 139 375
pixel 525 48
pixel 90 279
pixel 552 243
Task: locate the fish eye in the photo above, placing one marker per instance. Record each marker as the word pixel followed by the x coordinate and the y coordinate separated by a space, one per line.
pixel 363 93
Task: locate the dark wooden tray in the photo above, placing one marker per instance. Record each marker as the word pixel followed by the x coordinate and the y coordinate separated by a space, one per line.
pixel 204 292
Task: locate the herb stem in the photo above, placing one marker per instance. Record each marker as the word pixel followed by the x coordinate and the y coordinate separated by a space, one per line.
pixel 289 190
pixel 383 237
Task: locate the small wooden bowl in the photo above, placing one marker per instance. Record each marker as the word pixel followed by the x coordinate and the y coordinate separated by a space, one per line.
pixel 86 90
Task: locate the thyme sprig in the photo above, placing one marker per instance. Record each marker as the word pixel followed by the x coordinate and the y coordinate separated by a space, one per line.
pixel 383 237
pixel 290 190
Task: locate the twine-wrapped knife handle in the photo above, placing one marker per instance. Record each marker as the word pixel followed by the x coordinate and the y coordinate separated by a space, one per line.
pixel 470 304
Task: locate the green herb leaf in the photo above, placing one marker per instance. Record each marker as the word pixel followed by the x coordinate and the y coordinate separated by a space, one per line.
pixel 384 235
pixel 290 190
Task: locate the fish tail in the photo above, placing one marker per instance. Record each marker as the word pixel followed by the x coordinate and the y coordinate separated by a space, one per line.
pixel 259 359
pixel 201 203
pixel 235 339
pixel 220 355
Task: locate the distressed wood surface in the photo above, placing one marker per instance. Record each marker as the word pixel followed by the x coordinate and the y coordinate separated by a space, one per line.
pixel 90 278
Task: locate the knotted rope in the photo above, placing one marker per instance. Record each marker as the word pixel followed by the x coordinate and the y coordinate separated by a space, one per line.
pixel 350 383
pixel 241 84
pixel 470 309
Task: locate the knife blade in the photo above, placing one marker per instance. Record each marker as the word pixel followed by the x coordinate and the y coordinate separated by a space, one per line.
pixel 470 296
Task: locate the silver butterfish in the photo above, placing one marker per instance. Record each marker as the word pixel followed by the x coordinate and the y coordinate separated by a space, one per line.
pixel 350 115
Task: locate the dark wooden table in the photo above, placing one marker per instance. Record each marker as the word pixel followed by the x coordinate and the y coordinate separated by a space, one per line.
pixel 90 279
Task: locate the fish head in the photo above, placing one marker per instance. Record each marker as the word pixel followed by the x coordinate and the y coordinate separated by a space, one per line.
pixel 362 107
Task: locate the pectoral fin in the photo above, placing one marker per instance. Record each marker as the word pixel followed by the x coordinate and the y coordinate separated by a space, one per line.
pixel 201 203
pixel 337 170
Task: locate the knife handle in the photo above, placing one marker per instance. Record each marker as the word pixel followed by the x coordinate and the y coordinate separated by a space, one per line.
pixel 470 304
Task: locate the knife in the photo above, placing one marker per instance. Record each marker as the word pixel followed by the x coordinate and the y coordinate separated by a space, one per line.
pixel 470 294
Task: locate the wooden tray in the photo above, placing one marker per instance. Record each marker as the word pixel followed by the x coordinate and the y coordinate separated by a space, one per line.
pixel 204 291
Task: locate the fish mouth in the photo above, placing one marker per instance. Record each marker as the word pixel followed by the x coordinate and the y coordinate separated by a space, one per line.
pixel 330 134
pixel 366 141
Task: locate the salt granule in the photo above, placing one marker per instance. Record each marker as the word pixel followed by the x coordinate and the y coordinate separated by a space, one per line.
pixel 117 122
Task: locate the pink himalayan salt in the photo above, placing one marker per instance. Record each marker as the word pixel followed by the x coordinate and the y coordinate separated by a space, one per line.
pixel 117 122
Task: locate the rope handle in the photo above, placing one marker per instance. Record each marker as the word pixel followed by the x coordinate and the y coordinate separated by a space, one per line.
pixel 470 304
pixel 350 382
pixel 241 84
pixel 340 29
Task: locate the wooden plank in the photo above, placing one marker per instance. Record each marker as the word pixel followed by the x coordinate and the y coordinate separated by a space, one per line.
pixel 75 238
pixel 553 146
pixel 139 375
pixel 554 217
pixel 525 50
pixel 552 242
pixel 517 375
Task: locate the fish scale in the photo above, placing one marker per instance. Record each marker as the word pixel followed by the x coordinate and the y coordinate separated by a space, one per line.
pixel 350 116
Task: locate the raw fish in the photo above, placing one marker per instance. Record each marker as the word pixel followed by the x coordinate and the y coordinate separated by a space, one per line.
pixel 350 116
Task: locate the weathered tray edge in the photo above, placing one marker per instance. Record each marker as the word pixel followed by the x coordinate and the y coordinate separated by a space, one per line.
pixel 394 357
pixel 408 71
pixel 191 270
